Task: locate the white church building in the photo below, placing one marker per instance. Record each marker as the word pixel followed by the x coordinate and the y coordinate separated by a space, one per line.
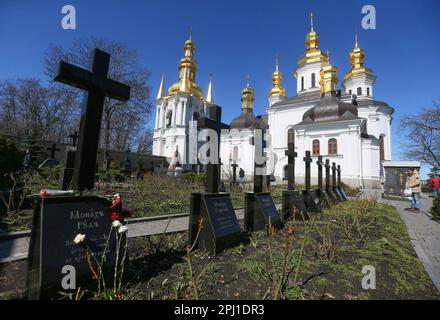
pixel 350 128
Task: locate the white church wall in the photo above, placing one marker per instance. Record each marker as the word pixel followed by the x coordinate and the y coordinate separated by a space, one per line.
pixel 306 72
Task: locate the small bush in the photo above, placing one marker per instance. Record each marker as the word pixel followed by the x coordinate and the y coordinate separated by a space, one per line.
pixel 10 158
pixel 435 209
pixel 192 177
pixel 350 191
pixel 113 175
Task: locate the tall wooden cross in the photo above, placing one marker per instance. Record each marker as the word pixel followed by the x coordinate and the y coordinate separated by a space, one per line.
pixel 320 164
pixel 334 175
pixel 98 87
pixel 338 169
pixel 74 137
pixel 291 155
pixel 327 174
pixel 213 169
pixel 260 144
pixel 308 160
pixel 52 150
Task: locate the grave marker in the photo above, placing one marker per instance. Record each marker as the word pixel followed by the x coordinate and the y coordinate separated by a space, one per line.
pixel 212 213
pixel 328 189
pixel 341 191
pixel 292 198
pixel 335 187
pixel 310 197
pixel 98 87
pixel 321 192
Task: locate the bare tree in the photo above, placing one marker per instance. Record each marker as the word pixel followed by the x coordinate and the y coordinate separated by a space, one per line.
pixel 423 135
pixel 123 122
pixel 29 108
pixel 145 142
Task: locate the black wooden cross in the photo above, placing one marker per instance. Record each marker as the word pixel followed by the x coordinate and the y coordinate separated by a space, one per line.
pixel 52 150
pixel 308 160
pixel 98 87
pixel 74 137
pixel 213 169
pixel 327 174
pixel 334 175
pixel 260 145
pixel 320 164
pixel 291 155
pixel 234 173
pixel 338 169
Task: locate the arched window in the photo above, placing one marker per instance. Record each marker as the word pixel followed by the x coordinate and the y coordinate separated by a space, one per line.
pixel 302 83
pixel 368 91
pixel 169 118
pixel 315 147
pixel 359 91
pixel 196 116
pixel 291 136
pixel 313 80
pixel 235 153
pixel 381 148
pixel 332 146
pixel 349 91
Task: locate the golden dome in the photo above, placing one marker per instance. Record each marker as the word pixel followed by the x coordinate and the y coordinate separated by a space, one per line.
pixel 357 56
pixel 277 78
pixel 187 73
pixel 329 77
pixel 247 97
pixel 313 53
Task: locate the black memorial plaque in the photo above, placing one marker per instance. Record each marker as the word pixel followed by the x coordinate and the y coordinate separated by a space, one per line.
pixel 220 229
pixel 324 198
pixel 293 199
pixel 56 222
pixel 312 201
pixel 260 211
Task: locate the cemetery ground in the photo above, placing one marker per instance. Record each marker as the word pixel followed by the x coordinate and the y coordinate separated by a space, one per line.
pixel 318 258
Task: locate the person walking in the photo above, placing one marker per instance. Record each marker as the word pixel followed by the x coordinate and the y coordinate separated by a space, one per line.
pixel 241 176
pixel 435 185
pixel 414 183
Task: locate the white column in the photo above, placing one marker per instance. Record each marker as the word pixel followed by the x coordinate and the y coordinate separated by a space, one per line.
pixel 173 122
pixel 389 151
pixel 184 112
pixel 156 126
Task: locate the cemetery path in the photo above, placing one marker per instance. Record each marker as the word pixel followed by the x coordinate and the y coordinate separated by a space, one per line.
pixel 16 248
pixel 424 234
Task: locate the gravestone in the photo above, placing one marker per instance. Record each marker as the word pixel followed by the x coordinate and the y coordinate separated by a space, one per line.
pixel 321 192
pixel 212 216
pixel 50 162
pixel 234 173
pixel 310 197
pixel 74 137
pixel 292 199
pixel 66 172
pixel 126 165
pixel 338 187
pixel 328 189
pixel 259 208
pixel 108 161
pixel 98 87
pixel 334 185
pixel 56 223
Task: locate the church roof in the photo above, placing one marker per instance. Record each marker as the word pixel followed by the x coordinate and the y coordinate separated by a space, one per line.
pixel 304 97
pixel 329 109
pixel 376 103
pixel 247 120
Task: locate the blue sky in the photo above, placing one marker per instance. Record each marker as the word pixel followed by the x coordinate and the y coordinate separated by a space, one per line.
pixel 237 38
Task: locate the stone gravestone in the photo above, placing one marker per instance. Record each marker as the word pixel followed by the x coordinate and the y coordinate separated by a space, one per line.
pixel 56 223
pixel 98 87
pixel 66 173
pixel 335 187
pixel 292 198
pixel 234 173
pixel 321 192
pixel 310 197
pixel 126 165
pixel 259 208
pixel 328 189
pixel 51 162
pixel 338 187
pixel 212 215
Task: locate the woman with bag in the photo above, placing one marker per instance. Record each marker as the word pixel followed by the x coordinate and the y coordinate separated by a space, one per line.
pixel 414 183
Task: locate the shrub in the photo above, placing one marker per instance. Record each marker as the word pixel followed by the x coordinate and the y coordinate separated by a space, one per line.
pixel 350 191
pixel 10 158
pixel 435 209
pixel 193 177
pixel 113 175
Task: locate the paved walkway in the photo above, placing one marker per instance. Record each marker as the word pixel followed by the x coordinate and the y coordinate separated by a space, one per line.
pixel 424 234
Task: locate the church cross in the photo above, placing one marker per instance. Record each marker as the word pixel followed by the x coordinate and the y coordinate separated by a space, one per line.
pixel 52 150
pixel 98 87
pixel 307 159
pixel 291 155
pixel 74 137
pixel 338 169
pixel 234 173
pixel 320 164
